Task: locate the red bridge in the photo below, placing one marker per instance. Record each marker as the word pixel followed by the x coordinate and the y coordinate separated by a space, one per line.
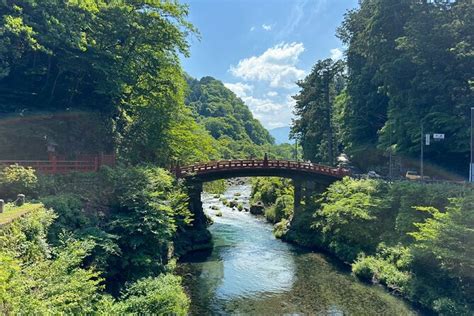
pixel 250 168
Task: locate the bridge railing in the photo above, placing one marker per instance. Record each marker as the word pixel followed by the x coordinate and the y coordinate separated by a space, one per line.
pixel 212 166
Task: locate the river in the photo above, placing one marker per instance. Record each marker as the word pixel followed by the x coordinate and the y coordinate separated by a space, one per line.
pixel 251 272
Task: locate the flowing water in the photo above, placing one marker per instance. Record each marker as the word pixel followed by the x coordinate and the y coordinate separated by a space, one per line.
pixel 251 272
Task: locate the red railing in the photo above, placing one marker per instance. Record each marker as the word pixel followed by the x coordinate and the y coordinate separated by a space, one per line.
pixel 214 166
pixel 54 165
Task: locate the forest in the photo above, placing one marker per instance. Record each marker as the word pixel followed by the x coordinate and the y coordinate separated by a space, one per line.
pixel 408 68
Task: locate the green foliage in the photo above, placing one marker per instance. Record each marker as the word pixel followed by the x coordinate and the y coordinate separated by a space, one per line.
pixel 238 135
pixel 37 279
pixel 449 239
pixel 405 59
pixel 215 187
pixel 353 216
pixel 389 267
pixel 223 113
pixel 412 237
pixel 158 296
pixel 132 214
pixel 314 125
pixel 282 209
pixel 25 238
pixel 119 60
pixel 281 228
pixel 406 196
pixel 16 179
pixel 119 238
pixel 267 190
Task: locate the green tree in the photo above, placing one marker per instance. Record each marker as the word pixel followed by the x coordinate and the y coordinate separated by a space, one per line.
pixel 314 125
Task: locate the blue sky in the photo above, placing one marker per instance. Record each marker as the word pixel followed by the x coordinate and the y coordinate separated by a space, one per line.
pixel 260 48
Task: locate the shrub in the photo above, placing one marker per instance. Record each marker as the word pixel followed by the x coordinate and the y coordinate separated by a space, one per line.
pixel 215 187
pixel 16 179
pixel 25 237
pixel 163 295
pixel 383 271
pixel 353 217
pixel 281 228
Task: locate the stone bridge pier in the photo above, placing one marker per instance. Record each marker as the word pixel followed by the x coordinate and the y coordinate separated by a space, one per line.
pixel 304 189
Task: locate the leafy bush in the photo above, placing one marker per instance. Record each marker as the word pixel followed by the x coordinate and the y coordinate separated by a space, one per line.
pixel 162 295
pixel 406 196
pixel 390 267
pixel 25 237
pixel 38 279
pixel 16 179
pixel 268 190
pixel 215 187
pixel 353 216
pixel 281 228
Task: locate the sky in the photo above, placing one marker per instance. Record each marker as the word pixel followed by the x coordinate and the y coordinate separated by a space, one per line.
pixel 260 48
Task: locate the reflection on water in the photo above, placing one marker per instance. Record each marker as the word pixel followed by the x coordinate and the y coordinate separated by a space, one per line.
pixel 251 272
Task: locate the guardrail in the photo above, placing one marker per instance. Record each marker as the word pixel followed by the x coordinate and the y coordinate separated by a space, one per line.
pixel 223 165
pixel 54 166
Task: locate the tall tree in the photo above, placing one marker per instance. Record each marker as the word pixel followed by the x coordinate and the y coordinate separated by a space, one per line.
pixel 314 123
pixel 409 63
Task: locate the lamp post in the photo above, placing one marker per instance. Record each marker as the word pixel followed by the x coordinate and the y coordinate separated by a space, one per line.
pixel 471 164
pixel 421 151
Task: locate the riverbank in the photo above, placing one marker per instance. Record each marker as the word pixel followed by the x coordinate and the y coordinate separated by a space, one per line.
pixel 249 271
pixel 98 243
pixel 395 234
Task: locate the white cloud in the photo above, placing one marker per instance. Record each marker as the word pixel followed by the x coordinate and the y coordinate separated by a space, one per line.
pixel 302 14
pixel 239 88
pixel 261 106
pixel 267 27
pixel 272 93
pixel 277 65
pixel 336 54
pixel 252 29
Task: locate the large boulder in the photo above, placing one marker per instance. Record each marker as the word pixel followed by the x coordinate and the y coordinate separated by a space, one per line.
pixel 257 208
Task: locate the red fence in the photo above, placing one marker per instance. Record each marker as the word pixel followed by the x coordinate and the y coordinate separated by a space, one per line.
pixel 54 165
pixel 259 164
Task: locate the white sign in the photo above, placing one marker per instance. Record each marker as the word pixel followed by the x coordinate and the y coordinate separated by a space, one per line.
pixel 438 136
pixel 471 172
pixel 427 136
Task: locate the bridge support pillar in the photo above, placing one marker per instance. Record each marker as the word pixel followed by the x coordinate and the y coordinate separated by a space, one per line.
pixel 195 236
pixel 298 188
pixel 195 204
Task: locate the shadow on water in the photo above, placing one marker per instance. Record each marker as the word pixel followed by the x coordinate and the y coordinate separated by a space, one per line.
pixel 250 272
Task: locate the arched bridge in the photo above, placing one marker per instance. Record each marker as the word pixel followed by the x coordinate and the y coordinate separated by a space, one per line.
pixel 254 168
pixel 307 178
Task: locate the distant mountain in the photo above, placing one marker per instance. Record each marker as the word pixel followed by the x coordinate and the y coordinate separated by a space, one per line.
pixel 222 113
pixel 281 135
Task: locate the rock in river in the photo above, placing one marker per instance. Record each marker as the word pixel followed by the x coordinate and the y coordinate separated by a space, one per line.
pixel 257 208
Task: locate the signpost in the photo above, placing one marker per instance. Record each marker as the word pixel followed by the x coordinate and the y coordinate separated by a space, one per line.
pixel 471 164
pixel 438 137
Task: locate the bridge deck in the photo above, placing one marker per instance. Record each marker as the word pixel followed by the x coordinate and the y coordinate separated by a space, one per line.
pixel 226 165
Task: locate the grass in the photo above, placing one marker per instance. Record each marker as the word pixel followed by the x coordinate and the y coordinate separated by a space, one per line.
pixel 13 212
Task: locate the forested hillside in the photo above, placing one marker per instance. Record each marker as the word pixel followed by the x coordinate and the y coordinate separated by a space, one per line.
pixel 109 60
pixel 223 113
pixel 94 77
pixel 228 119
pixel 409 64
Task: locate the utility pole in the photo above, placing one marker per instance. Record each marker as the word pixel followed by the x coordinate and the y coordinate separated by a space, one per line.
pixel 471 164
pixel 329 116
pixel 296 148
pixel 390 154
pixel 421 151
